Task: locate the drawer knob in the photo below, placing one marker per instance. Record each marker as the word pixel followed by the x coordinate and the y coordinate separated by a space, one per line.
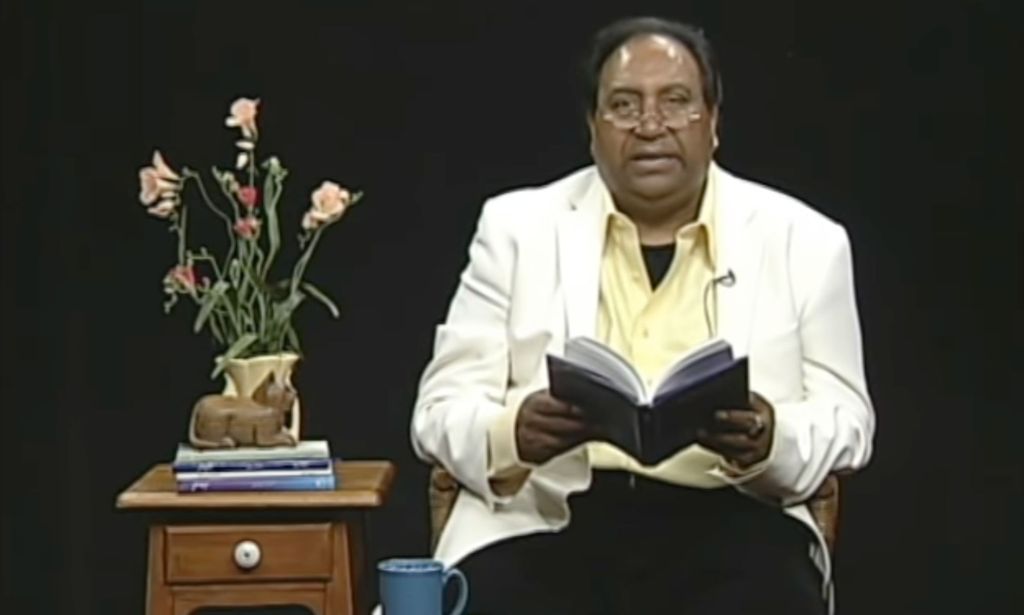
pixel 247 554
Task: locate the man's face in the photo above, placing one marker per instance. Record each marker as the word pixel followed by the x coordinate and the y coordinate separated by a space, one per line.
pixel 656 78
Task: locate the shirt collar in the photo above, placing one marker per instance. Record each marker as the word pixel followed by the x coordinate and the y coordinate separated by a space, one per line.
pixel 707 217
pixel 706 220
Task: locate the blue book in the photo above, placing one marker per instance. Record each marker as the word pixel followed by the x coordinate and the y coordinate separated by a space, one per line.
pixel 326 482
pixel 251 466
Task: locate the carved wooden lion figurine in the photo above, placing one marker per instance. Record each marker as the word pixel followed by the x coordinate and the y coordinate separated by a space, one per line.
pixel 224 421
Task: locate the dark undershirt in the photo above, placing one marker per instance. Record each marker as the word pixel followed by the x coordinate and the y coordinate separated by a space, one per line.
pixel 657 259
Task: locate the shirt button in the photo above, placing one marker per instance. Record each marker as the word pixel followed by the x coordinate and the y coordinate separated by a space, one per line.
pixel 644 333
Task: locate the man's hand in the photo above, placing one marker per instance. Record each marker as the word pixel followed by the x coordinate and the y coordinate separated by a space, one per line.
pixel 743 437
pixel 546 427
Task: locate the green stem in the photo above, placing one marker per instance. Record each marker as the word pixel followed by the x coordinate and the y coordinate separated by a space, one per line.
pixel 271 194
pixel 300 266
pixel 232 314
pixel 252 288
pixel 252 164
pixel 231 199
pixel 204 255
pixel 215 320
pixel 182 220
pixel 189 174
pixel 259 291
pixel 215 328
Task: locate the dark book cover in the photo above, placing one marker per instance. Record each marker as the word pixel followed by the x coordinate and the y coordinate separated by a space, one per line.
pixel 651 431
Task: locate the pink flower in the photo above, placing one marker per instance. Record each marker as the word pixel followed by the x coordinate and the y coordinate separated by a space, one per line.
pixel 329 203
pixel 163 209
pixel 243 115
pixel 181 278
pixel 157 181
pixel 247 227
pixel 163 169
pixel 149 186
pixel 248 195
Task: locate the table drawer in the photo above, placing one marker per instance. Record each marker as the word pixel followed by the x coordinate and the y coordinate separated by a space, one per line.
pixel 239 553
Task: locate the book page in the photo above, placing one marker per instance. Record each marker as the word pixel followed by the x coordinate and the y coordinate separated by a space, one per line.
pixel 706 358
pixel 602 360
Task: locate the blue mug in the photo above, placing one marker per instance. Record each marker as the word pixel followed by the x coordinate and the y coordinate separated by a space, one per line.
pixel 413 586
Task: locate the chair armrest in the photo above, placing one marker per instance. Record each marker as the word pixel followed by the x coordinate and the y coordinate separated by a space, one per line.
pixel 824 507
pixel 443 489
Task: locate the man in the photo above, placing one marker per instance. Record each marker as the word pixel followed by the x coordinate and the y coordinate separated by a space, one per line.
pixel 653 250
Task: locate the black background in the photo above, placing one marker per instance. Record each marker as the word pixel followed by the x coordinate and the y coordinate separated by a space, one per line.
pixel 896 118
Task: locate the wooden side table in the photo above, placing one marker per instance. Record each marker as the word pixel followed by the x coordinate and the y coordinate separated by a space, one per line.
pixel 258 548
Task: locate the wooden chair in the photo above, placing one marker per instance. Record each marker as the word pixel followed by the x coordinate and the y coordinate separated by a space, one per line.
pixel 443 489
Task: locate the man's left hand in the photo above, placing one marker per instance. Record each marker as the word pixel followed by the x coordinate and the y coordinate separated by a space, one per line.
pixel 743 437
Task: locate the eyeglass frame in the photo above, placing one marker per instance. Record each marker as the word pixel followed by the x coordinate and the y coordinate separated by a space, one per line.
pixel 688 118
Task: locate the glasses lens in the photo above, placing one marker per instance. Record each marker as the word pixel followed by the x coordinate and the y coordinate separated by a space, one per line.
pixel 671 121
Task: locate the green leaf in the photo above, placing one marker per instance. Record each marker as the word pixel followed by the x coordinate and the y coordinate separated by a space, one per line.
pixel 319 295
pixel 240 345
pixel 277 291
pixel 235 272
pixel 209 302
pixel 283 311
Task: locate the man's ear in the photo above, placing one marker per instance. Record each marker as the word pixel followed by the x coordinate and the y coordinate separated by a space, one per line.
pixel 714 130
pixel 591 128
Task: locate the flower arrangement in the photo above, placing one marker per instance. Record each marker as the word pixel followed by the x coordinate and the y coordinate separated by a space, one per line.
pixel 247 313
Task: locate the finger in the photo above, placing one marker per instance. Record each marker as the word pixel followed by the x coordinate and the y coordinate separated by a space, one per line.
pixel 556 445
pixel 559 425
pixel 557 407
pixel 726 443
pixel 739 421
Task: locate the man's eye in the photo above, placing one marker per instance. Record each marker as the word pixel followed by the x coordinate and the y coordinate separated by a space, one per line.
pixel 622 105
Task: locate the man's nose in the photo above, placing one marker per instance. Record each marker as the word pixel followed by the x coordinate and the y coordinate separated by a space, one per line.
pixel 650 127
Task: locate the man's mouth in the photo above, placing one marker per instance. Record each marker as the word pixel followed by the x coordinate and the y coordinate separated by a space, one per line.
pixel 654 161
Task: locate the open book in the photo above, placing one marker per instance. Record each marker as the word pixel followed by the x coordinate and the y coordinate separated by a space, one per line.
pixel 648 423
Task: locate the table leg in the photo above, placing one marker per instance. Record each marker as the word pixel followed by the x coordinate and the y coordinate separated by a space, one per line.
pixel 344 588
pixel 158 595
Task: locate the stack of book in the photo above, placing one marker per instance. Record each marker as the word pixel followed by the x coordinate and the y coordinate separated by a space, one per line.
pixel 305 467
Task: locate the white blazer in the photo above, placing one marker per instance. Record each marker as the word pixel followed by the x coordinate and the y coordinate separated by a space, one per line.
pixel 532 282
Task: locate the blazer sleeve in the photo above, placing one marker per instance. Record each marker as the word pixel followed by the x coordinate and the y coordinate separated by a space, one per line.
pixel 462 392
pixel 831 429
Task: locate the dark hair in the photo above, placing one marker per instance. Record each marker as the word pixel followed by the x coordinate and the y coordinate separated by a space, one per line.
pixel 613 36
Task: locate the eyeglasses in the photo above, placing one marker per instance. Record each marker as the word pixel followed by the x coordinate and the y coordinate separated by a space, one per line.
pixel 628 113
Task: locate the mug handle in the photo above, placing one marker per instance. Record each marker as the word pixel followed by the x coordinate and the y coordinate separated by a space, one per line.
pixel 460 602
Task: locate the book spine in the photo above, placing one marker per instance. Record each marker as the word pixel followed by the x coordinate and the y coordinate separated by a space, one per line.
pixel 252 474
pixel 252 466
pixel 285 483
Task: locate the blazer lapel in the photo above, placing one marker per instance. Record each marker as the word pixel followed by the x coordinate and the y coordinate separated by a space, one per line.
pixel 738 264
pixel 581 235
pixel 580 238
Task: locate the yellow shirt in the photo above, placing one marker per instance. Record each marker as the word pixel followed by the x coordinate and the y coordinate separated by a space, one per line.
pixel 652 327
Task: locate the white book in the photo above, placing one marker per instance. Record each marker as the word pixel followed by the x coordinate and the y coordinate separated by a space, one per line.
pixel 306 449
pixel 252 474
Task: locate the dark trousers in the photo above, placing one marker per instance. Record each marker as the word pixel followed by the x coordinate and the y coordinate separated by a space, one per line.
pixel 643 547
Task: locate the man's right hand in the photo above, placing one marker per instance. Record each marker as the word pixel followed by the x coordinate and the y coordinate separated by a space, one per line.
pixel 547 427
